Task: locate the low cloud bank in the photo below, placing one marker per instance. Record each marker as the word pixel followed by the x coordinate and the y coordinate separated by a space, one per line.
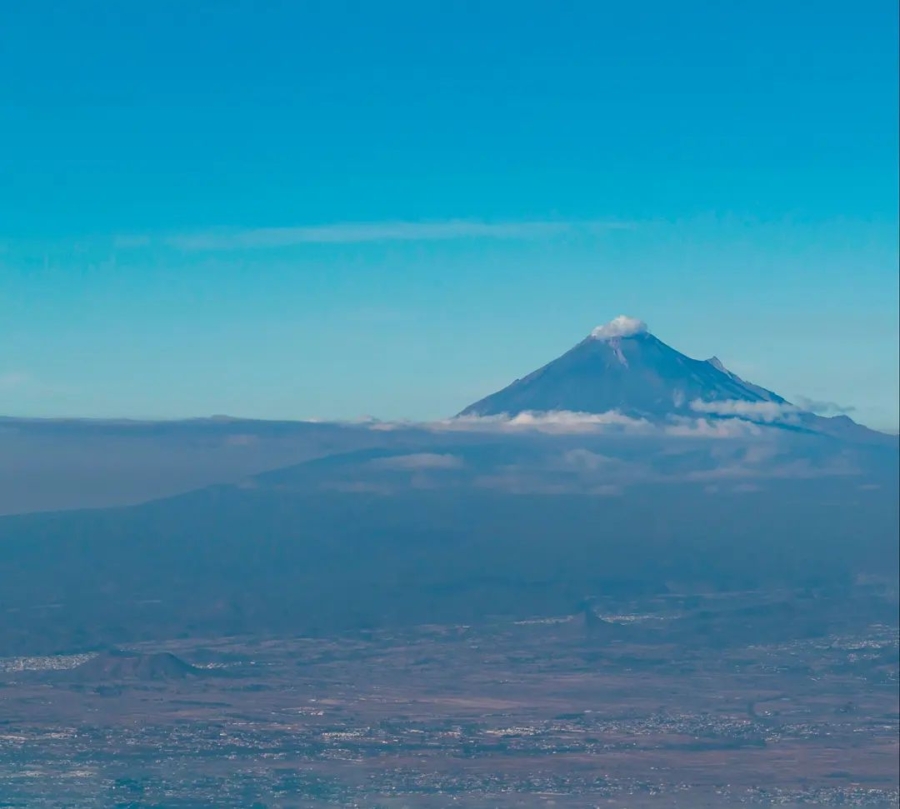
pixel 553 421
pixel 768 412
pixel 740 422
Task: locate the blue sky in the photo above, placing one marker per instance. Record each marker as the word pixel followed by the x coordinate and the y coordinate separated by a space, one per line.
pixel 336 209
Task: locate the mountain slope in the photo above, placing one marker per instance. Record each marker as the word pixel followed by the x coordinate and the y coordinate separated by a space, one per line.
pixel 290 556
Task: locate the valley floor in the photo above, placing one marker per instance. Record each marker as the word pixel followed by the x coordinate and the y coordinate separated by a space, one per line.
pixel 616 710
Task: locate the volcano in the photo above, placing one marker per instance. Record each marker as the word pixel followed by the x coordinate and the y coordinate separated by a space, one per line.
pixel 621 366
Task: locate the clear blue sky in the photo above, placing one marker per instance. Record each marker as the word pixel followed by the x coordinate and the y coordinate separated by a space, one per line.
pixel 328 209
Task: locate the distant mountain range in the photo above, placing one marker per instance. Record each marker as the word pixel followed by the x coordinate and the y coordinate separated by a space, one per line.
pixel 448 528
pixel 622 467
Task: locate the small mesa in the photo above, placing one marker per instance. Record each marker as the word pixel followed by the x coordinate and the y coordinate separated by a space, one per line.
pixel 117 665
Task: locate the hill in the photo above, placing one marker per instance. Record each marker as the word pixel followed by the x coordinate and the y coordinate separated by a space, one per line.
pixel 116 665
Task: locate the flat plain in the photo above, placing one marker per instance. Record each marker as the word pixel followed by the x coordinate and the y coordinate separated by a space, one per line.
pixel 707 700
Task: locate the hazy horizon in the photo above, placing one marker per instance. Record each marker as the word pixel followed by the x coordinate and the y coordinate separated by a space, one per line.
pixel 823 407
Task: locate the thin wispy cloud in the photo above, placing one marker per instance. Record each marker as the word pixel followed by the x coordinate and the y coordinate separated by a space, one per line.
pixel 23 383
pixel 14 380
pixel 757 411
pixel 824 408
pixel 709 428
pixel 216 240
pixel 797 469
pixel 417 461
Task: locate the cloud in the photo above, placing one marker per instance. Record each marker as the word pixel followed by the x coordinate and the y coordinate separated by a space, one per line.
pixel 553 421
pixel 541 479
pixel 584 459
pixel 707 428
pixel 593 466
pixel 359 232
pixel 796 469
pixel 758 411
pixel 25 383
pixel 567 422
pixel 824 408
pixel 760 453
pixel 621 326
pixel 14 380
pixel 418 461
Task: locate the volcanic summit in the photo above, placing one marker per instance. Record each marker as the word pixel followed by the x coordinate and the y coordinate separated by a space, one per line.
pixel 621 366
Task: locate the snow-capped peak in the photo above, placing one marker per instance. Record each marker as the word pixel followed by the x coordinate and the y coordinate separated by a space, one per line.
pixel 621 326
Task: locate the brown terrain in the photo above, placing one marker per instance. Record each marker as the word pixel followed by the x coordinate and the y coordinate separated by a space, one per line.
pixel 543 713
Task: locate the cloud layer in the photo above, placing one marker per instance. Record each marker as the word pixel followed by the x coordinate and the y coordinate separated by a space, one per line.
pixel 553 421
pixel 744 423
